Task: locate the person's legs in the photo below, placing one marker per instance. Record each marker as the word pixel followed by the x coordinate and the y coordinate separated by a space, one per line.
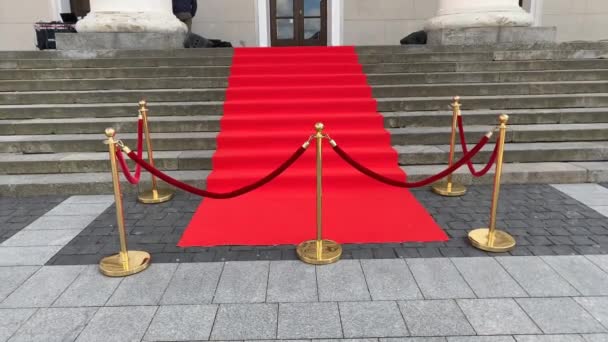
pixel 188 22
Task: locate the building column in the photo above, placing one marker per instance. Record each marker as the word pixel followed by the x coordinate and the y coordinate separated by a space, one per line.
pixel 131 16
pixel 454 14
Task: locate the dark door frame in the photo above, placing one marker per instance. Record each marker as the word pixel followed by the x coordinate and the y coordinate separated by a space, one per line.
pixel 298 18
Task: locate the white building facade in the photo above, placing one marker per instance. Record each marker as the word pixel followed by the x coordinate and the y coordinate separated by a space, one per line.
pixel 314 22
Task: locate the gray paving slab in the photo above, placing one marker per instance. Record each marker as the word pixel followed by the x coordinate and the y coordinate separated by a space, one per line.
pixel 245 321
pixel 596 306
pixel 60 222
pixel 193 284
pixel 11 320
pixel 342 281
pixel 413 339
pixel 13 277
pixel 595 337
pixel 588 194
pixel 120 324
pixel 89 199
pixel 581 273
pixel 145 288
pixel 559 316
pixel 91 288
pixel 43 287
pixel 493 282
pixel 292 281
pixel 243 282
pixel 549 338
pixel 390 279
pixel 54 324
pixel 42 238
pixel 480 339
pixel 435 318
pixel 536 277
pixel 26 256
pixel 79 209
pixel 372 319
pixel 309 320
pixel 600 260
pixel 181 323
pixel 501 316
pixel 438 278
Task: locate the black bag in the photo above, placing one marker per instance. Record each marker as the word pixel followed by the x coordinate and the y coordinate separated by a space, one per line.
pixel 196 41
pixel 418 37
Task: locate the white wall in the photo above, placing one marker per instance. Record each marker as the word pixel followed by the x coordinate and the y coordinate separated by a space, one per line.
pixel 577 19
pixel 229 20
pixel 17 18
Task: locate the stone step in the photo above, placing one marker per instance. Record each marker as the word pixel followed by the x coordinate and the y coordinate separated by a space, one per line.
pixel 302 93
pixel 223 71
pixel 69 162
pixel 100 183
pixel 373 79
pixel 61 143
pixel 410 104
pixel 211 123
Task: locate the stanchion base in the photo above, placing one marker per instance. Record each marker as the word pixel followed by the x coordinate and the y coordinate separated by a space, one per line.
pixel 113 267
pixel 161 196
pixel 503 242
pixel 330 252
pixel 441 188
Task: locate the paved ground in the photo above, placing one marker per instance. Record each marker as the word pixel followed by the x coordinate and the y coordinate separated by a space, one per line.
pixel 545 221
pixel 553 298
pixel 17 213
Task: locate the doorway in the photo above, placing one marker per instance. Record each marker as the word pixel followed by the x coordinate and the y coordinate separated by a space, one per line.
pixel 298 22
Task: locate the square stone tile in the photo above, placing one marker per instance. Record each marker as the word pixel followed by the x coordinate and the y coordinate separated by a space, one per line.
pixel 86 209
pixel 43 288
pixel 54 324
pixel 435 318
pixel 291 281
pixel 119 324
pixel 145 288
pixel 596 306
pixel 60 222
pixel 536 277
pixel 372 319
pixel 390 279
pixel 182 322
pixel 28 238
pixel 91 288
pixel 342 281
pixel 439 279
pixel 595 337
pixel 243 282
pixel 559 316
pixel 481 339
pixel 487 278
pixel 193 284
pixel 90 199
pixel 497 317
pixel 245 321
pixel 581 273
pixel 13 277
pixel 549 338
pixel 413 339
pixel 26 256
pixel 309 320
pixel 11 320
pixel 600 260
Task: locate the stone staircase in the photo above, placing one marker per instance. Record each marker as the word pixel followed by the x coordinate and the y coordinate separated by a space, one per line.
pixel 54 107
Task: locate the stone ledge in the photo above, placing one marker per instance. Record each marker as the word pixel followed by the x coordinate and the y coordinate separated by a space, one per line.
pixel 120 41
pixel 491 35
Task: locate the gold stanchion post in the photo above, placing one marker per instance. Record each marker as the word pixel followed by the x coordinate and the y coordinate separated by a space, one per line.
pixel 491 239
pixel 319 251
pixel 154 195
pixel 449 187
pixel 125 262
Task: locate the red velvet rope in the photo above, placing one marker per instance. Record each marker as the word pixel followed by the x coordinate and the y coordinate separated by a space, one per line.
pixel 463 143
pixel 420 183
pixel 140 151
pixel 216 195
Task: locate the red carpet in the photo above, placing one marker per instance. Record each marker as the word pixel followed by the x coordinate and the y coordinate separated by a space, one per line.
pixel 274 98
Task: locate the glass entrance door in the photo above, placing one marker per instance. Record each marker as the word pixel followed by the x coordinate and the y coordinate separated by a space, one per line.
pixel 298 22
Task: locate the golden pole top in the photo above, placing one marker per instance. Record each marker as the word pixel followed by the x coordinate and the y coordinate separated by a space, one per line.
pixel 143 104
pixel 456 102
pixel 110 132
pixel 503 118
pixel 319 126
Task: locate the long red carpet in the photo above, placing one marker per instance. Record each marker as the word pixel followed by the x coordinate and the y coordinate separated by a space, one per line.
pixel 274 98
